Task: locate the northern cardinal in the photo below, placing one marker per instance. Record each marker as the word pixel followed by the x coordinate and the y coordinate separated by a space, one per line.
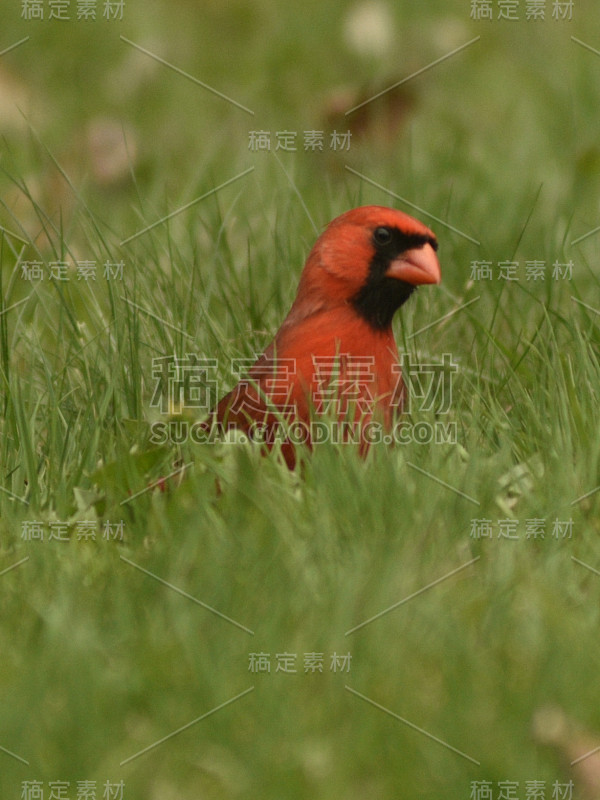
pixel 336 344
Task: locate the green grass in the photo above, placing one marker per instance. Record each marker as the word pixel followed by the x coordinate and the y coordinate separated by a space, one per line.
pixel 101 660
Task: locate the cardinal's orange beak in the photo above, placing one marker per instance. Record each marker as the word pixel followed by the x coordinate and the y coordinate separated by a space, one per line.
pixel 416 266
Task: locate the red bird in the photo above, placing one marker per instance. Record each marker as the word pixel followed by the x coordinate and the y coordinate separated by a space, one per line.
pixel 336 345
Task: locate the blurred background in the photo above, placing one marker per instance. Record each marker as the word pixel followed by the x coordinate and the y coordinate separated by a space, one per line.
pixel 515 110
pixel 184 155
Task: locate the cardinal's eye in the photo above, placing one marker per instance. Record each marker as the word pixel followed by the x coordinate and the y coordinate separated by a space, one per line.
pixel 382 236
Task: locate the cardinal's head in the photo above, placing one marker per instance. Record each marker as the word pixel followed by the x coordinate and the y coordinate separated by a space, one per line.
pixel 372 258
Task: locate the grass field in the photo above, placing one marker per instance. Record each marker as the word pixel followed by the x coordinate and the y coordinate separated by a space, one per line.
pixel 419 624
